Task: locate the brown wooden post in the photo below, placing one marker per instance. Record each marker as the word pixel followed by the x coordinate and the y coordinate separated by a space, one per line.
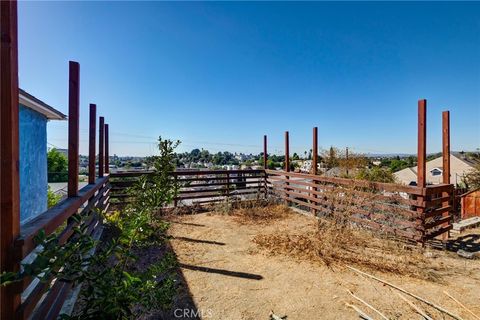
pixel 346 159
pixel 287 163
pixel 446 166
pixel 287 152
pixel 265 165
pixel 101 148
pixel 422 143
pixel 314 163
pixel 91 143
pixel 9 155
pixel 265 156
pixel 446 146
pixel 107 160
pixel 421 158
pixel 73 127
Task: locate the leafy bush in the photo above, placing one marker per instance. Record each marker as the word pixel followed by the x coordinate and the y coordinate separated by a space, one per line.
pixel 112 287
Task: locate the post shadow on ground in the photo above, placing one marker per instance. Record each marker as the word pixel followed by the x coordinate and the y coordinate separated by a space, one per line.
pixel 199 241
pixel 244 275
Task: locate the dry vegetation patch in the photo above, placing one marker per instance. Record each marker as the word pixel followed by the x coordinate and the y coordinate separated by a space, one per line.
pixel 265 214
pixel 339 245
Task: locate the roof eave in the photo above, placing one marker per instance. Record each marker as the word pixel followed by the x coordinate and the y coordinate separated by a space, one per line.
pixel 39 106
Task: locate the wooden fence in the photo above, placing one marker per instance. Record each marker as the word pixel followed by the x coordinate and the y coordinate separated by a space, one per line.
pixel 37 302
pixel 414 213
pixel 198 186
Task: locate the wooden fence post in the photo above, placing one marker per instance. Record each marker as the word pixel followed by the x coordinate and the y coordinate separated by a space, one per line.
pixel 107 160
pixel 265 165
pixel 446 165
pixel 314 163
pixel 73 127
pixel 287 163
pixel 9 148
pixel 347 164
pixel 101 148
pixel 91 143
pixel 421 159
pixel 446 146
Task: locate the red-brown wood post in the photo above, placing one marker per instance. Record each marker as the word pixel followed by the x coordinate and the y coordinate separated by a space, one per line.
pixel 421 159
pixel 9 155
pixel 347 164
pixel 314 162
pixel 101 148
pixel 107 160
pixel 287 152
pixel 422 143
pixel 287 163
pixel 446 146
pixel 265 165
pixel 91 143
pixel 265 156
pixel 73 127
pixel 446 165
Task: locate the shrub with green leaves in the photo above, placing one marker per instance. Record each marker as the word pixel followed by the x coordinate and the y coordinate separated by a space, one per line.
pixel 112 287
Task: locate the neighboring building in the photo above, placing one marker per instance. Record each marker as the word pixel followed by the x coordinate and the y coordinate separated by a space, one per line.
pixel 459 167
pixel 33 117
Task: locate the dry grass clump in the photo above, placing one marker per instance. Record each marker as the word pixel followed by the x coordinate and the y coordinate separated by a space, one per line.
pixel 265 214
pixel 339 245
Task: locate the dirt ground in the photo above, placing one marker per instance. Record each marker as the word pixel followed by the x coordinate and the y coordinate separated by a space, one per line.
pixel 230 277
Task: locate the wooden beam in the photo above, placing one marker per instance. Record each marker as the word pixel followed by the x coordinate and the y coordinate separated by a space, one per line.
pixel 9 154
pixel 265 155
pixel 101 146
pixel 287 152
pixel 73 127
pixel 315 151
pixel 446 171
pixel 346 159
pixel 92 128
pixel 422 143
pixel 446 146
pixel 107 160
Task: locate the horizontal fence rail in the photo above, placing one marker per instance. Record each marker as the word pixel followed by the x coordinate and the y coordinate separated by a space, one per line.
pixel 413 213
pixel 198 186
pixel 43 300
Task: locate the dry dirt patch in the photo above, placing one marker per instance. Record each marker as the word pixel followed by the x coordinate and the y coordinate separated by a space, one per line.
pixel 232 272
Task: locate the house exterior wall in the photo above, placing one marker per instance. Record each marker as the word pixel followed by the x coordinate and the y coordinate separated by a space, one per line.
pixel 33 163
pixel 458 169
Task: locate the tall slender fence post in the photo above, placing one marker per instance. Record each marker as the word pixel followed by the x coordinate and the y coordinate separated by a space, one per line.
pixel 73 127
pixel 421 157
pixel 314 164
pixel 92 128
pixel 9 147
pixel 287 164
pixel 101 148
pixel 446 146
pixel 107 154
pixel 347 163
pixel 446 165
pixel 265 165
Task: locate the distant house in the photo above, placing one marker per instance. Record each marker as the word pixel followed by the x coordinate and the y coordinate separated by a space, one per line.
pixel 33 117
pixel 459 167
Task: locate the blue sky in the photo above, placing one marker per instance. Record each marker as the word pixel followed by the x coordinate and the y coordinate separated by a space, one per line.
pixel 221 75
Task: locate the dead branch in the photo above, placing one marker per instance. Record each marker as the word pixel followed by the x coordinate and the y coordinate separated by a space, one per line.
pixel 462 305
pixel 408 293
pixel 368 305
pixel 362 314
pixel 420 311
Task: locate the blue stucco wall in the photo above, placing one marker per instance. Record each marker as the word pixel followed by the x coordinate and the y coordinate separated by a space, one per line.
pixel 33 163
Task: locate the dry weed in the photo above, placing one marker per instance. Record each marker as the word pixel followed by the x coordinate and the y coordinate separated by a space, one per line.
pixel 261 214
pixel 338 245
